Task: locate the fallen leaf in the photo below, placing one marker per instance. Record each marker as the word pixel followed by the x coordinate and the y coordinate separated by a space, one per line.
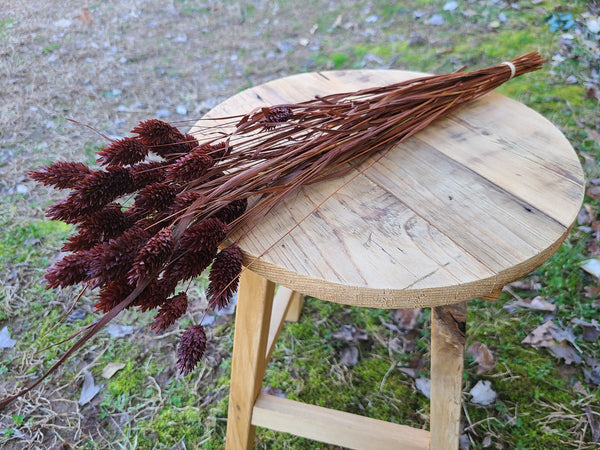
pixel 424 386
pixel 566 352
pixel 541 336
pixel 578 387
pixel 538 303
pixel 117 331
pixel 349 356
pixel 408 371
pixel 592 266
pixel 86 16
pixel 348 333
pixel 482 393
pixel 407 319
pixel 89 389
pixel 591 331
pixel 593 192
pixel 110 369
pixel 483 357
pixel 5 340
pixel 592 376
pixel 270 390
pixel 594 423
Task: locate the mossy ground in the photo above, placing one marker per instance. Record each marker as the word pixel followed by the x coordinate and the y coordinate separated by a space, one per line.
pixel 541 401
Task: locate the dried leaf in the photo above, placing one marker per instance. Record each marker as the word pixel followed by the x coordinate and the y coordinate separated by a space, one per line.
pixel 483 357
pixel 270 390
pixel 407 319
pixel 89 389
pixel 117 331
pixel 408 371
pixel 349 356
pixel 5 340
pixel 591 331
pixel 424 386
pixel 482 393
pixel 592 266
pixel 110 369
pixel 566 352
pixel 538 303
pixel 594 423
pixel 348 333
pixel 593 192
pixel 541 336
pixel 86 16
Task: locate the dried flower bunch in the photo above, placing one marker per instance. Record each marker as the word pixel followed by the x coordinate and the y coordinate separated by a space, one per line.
pixel 163 202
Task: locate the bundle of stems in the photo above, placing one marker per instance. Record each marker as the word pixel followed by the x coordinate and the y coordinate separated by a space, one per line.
pixel 145 225
pixel 277 149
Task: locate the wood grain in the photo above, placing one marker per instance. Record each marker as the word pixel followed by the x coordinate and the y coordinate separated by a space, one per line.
pixel 255 300
pixel 335 427
pixel 448 327
pixel 471 203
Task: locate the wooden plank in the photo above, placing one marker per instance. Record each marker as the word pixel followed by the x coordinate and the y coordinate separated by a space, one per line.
pixel 448 325
pixel 335 427
pixel 295 307
pixel 281 304
pixel 255 301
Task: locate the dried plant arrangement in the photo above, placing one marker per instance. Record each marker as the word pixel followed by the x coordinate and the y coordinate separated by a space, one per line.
pixel 166 205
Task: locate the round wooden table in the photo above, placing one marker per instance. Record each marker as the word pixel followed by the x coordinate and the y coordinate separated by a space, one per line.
pixel 471 203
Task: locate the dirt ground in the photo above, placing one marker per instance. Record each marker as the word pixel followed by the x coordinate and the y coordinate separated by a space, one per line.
pixel 112 64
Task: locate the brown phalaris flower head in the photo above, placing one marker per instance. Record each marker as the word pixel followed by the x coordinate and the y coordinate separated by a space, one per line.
pixel 186 264
pixel 191 142
pixel 275 116
pixel 232 210
pixel 126 151
pixel 184 200
pixel 224 276
pixel 190 167
pixel 217 151
pixel 108 222
pixel 191 348
pixel 154 295
pixel 61 175
pixel 112 260
pixel 152 255
pixel 161 137
pixel 205 235
pixel 103 186
pixel 154 197
pixel 148 173
pixel 111 294
pixel 171 310
pixel 72 269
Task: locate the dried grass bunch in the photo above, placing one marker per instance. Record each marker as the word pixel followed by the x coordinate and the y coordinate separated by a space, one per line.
pixel 157 211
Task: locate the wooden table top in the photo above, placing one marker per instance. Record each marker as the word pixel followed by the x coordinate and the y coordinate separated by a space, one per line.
pixel 471 203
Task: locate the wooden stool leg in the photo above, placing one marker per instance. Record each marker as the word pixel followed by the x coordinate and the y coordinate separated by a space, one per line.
pixel 448 324
pixel 295 308
pixel 255 301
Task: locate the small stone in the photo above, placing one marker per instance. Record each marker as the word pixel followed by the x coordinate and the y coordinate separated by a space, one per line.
pixel 372 19
pixel 63 23
pixel 181 110
pixel 180 38
pixel 21 189
pixel 163 113
pixel 436 20
pixel 450 6
pixel 502 17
